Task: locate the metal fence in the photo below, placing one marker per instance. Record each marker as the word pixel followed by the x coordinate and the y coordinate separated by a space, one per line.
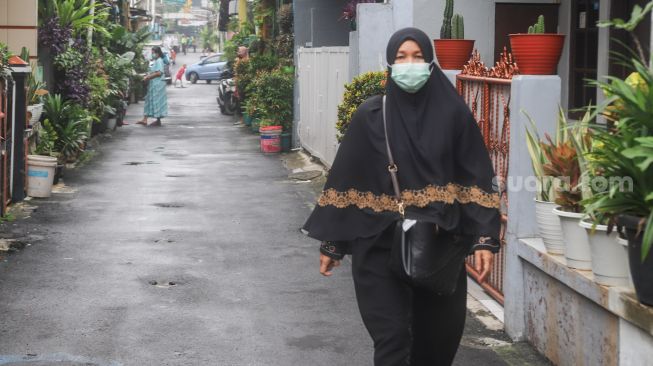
pixel 322 75
pixel 487 93
pixel 4 158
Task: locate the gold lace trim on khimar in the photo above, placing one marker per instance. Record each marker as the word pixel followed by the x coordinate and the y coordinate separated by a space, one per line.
pixel 419 198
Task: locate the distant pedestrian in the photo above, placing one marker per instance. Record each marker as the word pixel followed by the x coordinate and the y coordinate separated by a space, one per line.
pixel 173 56
pixel 446 174
pixel 184 44
pixel 180 75
pixel 156 101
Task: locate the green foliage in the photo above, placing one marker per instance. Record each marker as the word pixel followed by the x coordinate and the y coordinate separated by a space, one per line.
pixel 36 90
pixel 271 97
pixel 243 38
pixel 636 17
pixel 208 38
pixel 359 90
pixel 70 59
pixel 539 27
pixel 46 140
pixel 24 54
pixel 457 27
pixel 624 148
pixel 67 124
pixel 568 138
pixel 445 30
pixel 124 41
pixel 77 14
pixel 246 71
pixel 100 91
pixel 5 70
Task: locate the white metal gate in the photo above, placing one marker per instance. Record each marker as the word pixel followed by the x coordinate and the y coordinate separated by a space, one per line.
pixel 322 74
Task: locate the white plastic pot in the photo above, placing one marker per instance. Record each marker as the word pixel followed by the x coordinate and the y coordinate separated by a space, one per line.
pixel 609 260
pixel 36 110
pixel 623 244
pixel 548 225
pixel 112 123
pixel 577 246
pixel 40 175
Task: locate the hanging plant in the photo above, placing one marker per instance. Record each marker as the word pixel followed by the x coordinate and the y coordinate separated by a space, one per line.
pixel 54 36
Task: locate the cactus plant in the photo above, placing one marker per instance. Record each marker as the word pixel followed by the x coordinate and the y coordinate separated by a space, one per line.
pixel 537 28
pixel 457 27
pixel 445 31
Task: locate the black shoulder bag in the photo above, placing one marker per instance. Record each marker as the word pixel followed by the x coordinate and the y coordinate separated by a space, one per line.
pixel 423 254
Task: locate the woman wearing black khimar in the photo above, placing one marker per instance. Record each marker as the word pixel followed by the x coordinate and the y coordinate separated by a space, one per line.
pixel 445 175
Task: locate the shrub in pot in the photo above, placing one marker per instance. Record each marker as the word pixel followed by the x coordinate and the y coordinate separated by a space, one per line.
pixel 548 222
pixel 537 52
pixel 563 165
pixel 360 89
pixel 452 49
pixel 624 158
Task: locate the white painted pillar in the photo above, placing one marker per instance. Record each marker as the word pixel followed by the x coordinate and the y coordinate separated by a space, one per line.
pixel 540 97
pixel 603 64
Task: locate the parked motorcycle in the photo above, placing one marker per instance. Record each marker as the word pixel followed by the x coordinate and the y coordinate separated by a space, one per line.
pixel 227 99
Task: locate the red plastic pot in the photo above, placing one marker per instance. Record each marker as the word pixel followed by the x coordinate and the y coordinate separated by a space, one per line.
pixel 271 139
pixel 453 53
pixel 537 54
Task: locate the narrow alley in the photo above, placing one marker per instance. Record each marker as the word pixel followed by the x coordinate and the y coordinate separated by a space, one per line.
pixel 180 245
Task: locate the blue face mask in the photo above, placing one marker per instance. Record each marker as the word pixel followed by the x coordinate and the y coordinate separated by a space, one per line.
pixel 411 77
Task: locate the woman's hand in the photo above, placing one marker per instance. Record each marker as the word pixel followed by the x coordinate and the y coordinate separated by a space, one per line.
pixel 483 260
pixel 327 264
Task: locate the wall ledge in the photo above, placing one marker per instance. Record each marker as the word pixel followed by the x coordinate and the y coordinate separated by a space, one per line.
pixel 620 301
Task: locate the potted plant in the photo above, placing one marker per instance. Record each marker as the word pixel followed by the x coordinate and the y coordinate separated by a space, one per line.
pixel 35 92
pixel 548 223
pixel 349 11
pixel 609 260
pixel 537 52
pixel 270 131
pixel 563 166
pixel 624 155
pixel 452 49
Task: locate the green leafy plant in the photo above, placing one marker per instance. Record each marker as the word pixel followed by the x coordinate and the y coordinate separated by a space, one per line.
pixel 362 87
pixel 46 140
pixel 539 27
pixel 636 17
pixel 559 163
pixel 67 124
pixel 624 144
pixel 5 69
pixel 271 97
pixel 78 15
pixel 246 71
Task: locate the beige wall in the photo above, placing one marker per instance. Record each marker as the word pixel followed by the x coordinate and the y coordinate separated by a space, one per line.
pixel 18 21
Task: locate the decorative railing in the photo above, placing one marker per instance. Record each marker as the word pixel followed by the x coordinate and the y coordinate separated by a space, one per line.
pixel 487 93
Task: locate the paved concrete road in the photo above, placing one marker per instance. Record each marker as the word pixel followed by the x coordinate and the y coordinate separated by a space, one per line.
pixel 178 245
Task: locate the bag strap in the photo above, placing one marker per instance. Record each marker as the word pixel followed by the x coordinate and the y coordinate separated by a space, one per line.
pixel 392 167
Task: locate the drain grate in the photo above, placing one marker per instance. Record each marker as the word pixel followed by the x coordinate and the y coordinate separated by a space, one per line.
pixel 136 163
pixel 169 205
pixel 163 284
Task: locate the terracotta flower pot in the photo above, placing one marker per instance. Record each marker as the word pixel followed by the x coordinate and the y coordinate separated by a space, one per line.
pixel 453 53
pixel 537 54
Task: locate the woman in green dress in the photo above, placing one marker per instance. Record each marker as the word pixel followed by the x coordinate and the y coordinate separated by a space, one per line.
pixel 156 101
